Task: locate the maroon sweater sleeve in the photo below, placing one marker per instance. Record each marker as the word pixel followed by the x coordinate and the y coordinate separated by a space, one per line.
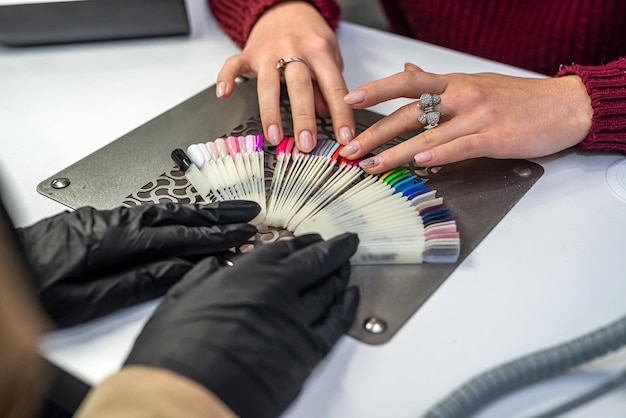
pixel 606 86
pixel 237 17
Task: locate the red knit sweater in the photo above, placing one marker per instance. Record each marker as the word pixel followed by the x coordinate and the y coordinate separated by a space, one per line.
pixel 539 35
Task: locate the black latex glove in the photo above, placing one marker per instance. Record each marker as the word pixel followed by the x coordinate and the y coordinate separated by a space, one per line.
pixel 89 262
pixel 253 332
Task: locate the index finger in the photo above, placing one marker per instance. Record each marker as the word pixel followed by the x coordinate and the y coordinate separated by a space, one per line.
pixel 129 247
pixel 408 84
pixel 216 213
pixel 308 258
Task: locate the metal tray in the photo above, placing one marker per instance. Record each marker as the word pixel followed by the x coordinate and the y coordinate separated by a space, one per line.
pixel 479 192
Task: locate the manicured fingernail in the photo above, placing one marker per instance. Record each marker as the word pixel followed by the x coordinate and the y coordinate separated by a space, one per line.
pixel 306 141
pixel 357 96
pixel 349 149
pixel 423 157
pixel 345 135
pixel 221 88
pixel 273 134
pixel 369 162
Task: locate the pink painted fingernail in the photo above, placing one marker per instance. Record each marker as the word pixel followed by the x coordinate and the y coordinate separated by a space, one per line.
pixel 357 96
pixel 306 141
pixel 345 135
pixel 273 134
pixel 370 162
pixel 221 88
pixel 349 149
pixel 423 157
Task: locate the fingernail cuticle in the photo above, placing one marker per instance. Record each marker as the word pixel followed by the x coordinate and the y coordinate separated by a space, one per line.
pixel 369 162
pixel 273 134
pixel 349 149
pixel 221 89
pixel 423 157
pixel 306 141
pixel 345 135
pixel 355 97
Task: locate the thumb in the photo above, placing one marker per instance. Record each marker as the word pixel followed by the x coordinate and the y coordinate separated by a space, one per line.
pixel 412 67
pixel 339 319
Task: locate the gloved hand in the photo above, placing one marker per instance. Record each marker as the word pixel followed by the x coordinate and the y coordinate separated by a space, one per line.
pixel 253 332
pixel 89 262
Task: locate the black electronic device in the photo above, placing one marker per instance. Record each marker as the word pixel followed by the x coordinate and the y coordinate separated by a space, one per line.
pixel 33 24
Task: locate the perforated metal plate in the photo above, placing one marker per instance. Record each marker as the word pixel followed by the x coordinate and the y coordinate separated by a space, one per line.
pixel 479 192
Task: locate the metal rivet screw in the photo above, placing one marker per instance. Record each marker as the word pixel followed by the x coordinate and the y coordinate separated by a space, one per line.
pixel 60 183
pixel 374 325
pixel 523 171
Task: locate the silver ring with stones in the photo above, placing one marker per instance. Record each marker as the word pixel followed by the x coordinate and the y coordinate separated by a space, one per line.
pixel 427 103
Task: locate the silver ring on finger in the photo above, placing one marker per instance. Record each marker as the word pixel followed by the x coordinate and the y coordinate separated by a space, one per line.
pixel 282 63
pixel 427 103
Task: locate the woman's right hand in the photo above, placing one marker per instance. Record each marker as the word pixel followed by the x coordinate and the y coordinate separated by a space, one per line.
pixel 482 115
pixel 252 333
pixel 286 30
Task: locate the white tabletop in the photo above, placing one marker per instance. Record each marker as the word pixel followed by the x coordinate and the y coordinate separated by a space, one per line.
pixel 551 270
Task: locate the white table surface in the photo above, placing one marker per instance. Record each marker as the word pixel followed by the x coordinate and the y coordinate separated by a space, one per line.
pixel 553 269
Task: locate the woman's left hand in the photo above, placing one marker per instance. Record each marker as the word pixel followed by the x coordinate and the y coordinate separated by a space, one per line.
pixel 482 115
pixel 89 263
pixel 315 85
